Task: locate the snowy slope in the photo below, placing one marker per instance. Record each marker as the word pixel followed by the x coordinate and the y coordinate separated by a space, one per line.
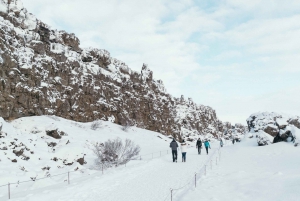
pixel 28 135
pixel 146 179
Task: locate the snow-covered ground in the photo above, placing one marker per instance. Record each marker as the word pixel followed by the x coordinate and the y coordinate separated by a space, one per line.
pixel 245 172
pixel 144 179
pixel 248 172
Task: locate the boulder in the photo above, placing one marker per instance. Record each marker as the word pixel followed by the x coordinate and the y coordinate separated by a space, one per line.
pixel 272 130
pixel 53 133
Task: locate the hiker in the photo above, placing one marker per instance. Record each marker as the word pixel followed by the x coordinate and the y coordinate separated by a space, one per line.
pixel 199 145
pixel 232 140
pixel 174 147
pixel 183 150
pixel 221 142
pixel 207 145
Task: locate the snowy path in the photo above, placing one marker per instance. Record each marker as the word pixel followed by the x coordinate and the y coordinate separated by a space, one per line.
pixel 140 180
pixel 248 172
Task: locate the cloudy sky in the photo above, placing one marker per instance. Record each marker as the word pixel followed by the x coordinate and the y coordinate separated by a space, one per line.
pixel 238 57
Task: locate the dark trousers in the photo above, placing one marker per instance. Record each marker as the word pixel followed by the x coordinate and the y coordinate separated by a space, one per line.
pixel 206 149
pixel 183 156
pixel 174 154
pixel 199 150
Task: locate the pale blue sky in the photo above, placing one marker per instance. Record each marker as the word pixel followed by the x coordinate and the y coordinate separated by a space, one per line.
pixel 238 57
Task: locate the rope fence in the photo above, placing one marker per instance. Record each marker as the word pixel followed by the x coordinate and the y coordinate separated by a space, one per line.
pixel 173 191
pixel 140 157
pixel 197 175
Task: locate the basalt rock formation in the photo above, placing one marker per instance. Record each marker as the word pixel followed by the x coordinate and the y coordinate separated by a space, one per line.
pixel 45 72
pixel 271 127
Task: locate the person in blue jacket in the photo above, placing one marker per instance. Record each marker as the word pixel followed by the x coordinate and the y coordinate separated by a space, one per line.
pixel 207 145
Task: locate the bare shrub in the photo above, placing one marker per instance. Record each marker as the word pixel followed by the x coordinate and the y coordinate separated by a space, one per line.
pixel 96 124
pixel 127 126
pixel 115 152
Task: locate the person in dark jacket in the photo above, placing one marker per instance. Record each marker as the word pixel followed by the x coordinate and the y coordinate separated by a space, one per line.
pixel 199 145
pixel 174 147
pixel 207 145
pixel 221 142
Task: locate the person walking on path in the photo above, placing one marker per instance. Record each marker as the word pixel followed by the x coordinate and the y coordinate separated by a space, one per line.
pixel 207 145
pixel 199 145
pixel 174 147
pixel 221 142
pixel 233 140
pixel 183 150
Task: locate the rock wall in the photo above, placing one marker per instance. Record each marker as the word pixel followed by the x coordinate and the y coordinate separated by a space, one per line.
pixel 45 72
pixel 279 127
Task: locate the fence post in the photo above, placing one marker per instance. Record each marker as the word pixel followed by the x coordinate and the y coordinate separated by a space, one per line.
pixel 68 177
pixel 195 179
pixel 8 191
pixel 171 194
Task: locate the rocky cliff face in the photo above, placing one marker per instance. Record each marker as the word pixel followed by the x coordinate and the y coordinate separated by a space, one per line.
pixel 45 72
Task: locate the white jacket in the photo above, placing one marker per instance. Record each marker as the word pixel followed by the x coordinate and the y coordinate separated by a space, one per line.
pixel 183 147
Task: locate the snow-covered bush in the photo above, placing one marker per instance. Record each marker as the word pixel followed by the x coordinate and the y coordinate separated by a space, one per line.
pixel 96 124
pixel 115 152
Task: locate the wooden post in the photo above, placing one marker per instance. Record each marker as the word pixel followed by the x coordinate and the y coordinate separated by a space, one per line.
pixel 171 194
pixel 8 191
pixel 195 180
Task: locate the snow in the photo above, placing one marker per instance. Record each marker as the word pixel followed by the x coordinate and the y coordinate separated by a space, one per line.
pixel 248 172
pixel 245 172
pixel 282 121
pixel 3 6
pixel 134 178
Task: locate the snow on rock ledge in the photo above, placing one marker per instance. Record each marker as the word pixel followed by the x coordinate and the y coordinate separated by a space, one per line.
pixel 271 127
